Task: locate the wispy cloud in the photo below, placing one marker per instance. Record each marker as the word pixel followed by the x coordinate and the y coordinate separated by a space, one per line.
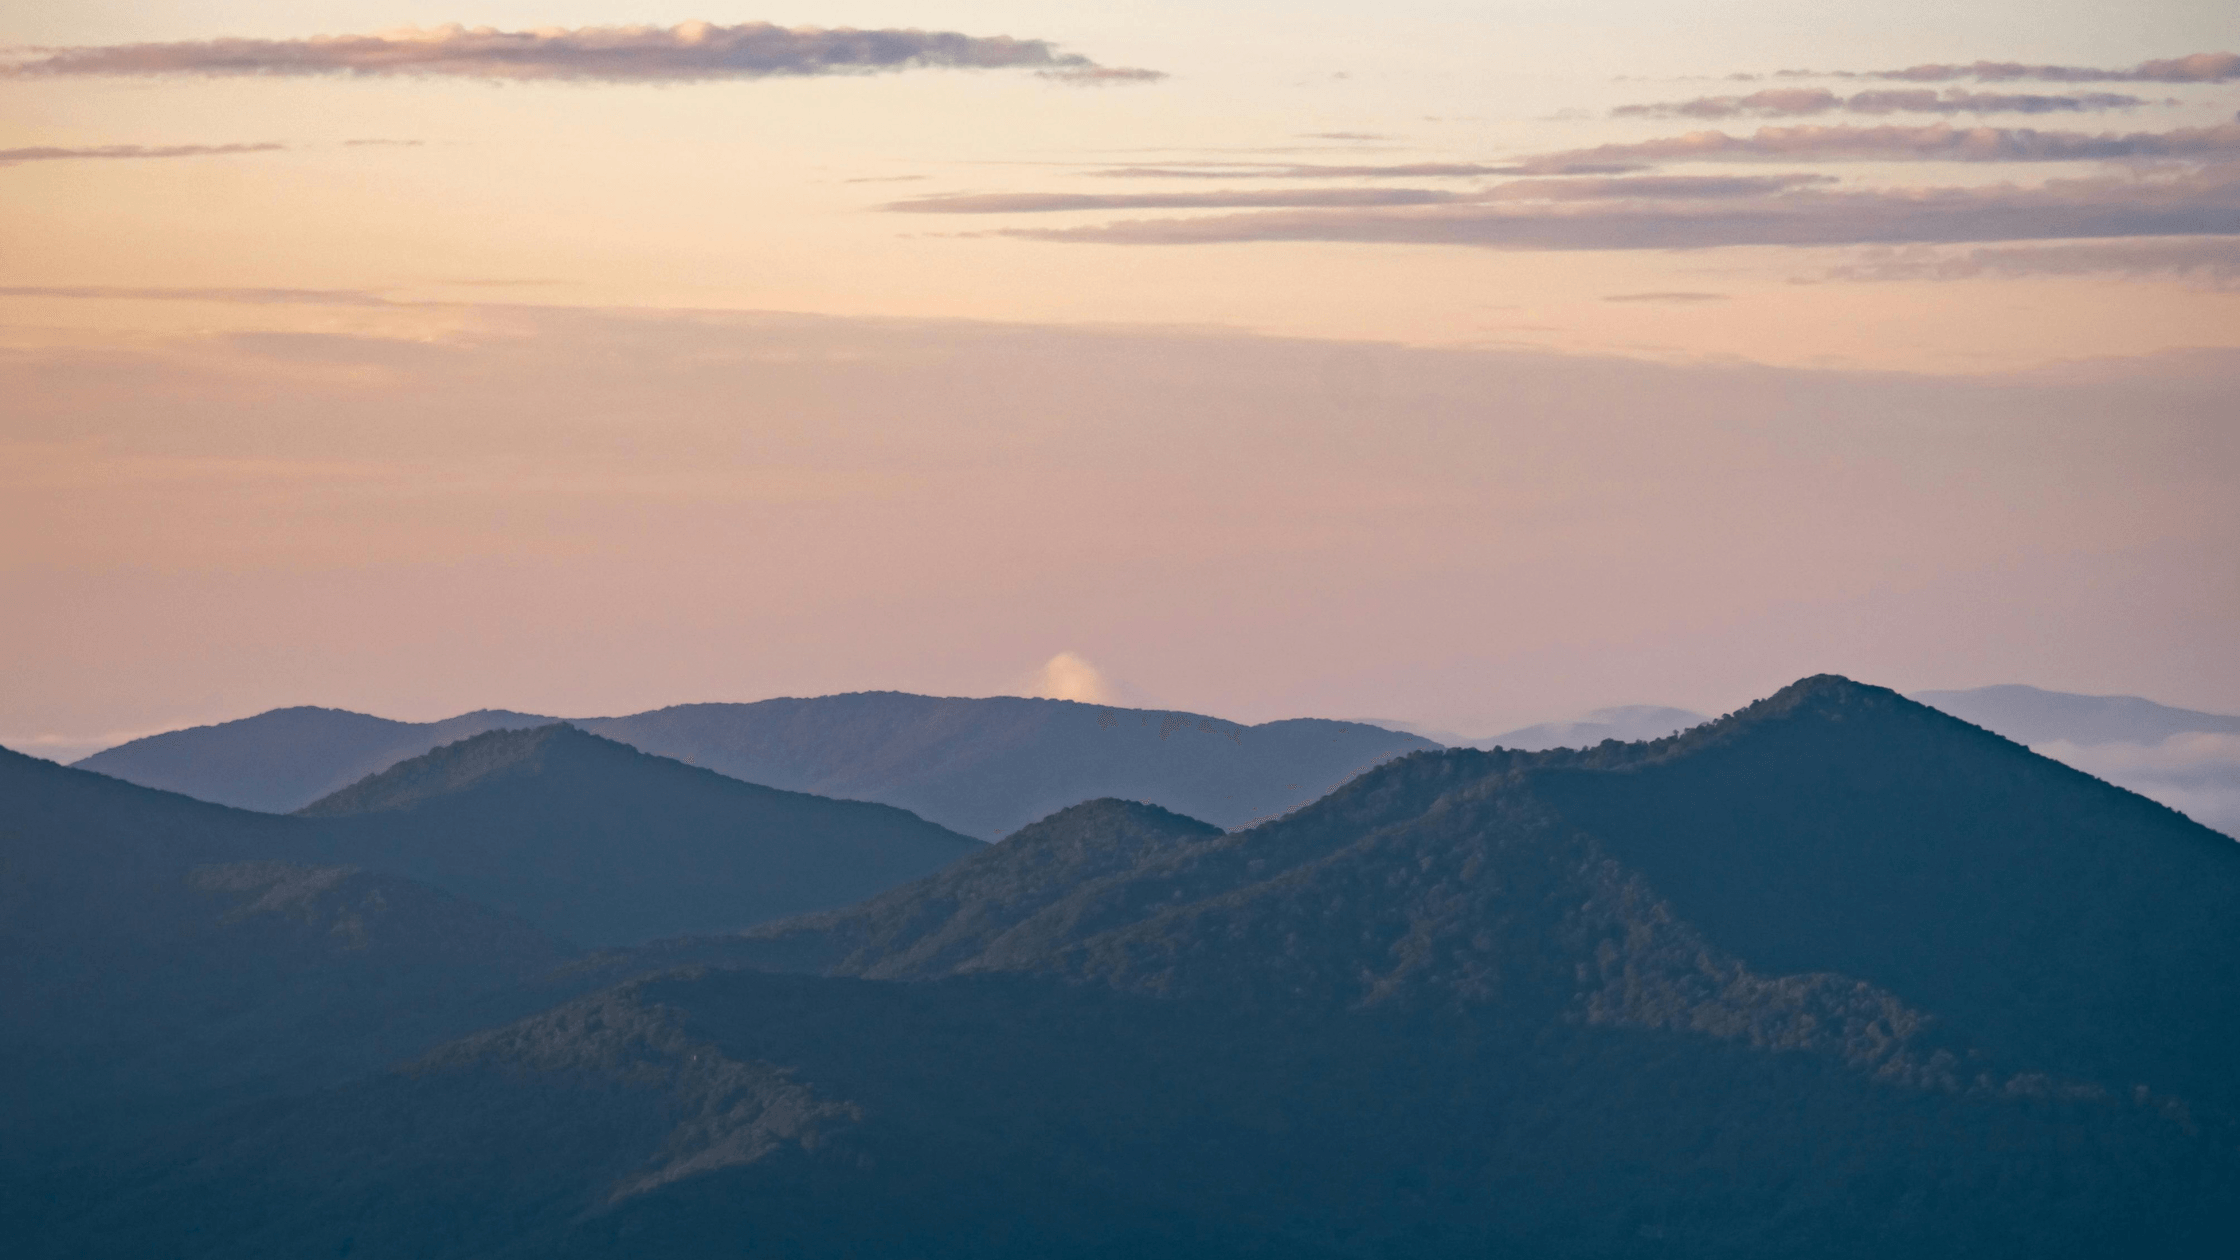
pixel 2199 204
pixel 621 54
pixel 9 157
pixel 1674 187
pixel 1087 75
pixel 245 297
pixel 1390 170
pixel 1674 299
pixel 1800 102
pixel 1938 142
pixel 1042 203
pixel 2214 67
pixel 2214 260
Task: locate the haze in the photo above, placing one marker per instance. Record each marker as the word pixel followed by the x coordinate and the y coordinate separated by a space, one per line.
pixel 1468 365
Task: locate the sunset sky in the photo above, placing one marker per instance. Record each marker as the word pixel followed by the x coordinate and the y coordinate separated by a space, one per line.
pixel 1468 364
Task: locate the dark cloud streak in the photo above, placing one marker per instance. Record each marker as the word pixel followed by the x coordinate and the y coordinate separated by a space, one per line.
pixel 1396 170
pixel 2212 259
pixel 2218 67
pixel 1802 102
pixel 689 52
pixel 2205 204
pixel 1666 187
pixel 1040 203
pixel 1935 142
pixel 9 157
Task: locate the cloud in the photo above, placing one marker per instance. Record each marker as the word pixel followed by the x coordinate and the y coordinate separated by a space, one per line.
pixel 1799 102
pixel 1679 187
pixel 689 52
pixel 247 297
pixel 1682 299
pixel 1038 203
pixel 1395 170
pixel 9 157
pixel 1102 76
pixel 1935 142
pixel 2212 260
pixel 2199 204
pixel 2219 67
pixel 1067 676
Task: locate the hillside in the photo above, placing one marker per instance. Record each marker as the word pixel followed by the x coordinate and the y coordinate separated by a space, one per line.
pixel 982 767
pixel 282 760
pixel 2029 715
pixel 989 767
pixel 600 844
pixel 2188 760
pixel 1837 975
pixel 161 953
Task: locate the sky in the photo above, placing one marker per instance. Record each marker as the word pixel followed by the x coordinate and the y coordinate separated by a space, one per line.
pixel 1465 364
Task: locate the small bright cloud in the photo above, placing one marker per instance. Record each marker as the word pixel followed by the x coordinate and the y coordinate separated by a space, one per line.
pixel 1067 676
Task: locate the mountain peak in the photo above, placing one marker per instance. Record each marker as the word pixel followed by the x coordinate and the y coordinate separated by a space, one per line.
pixel 454 767
pixel 1110 812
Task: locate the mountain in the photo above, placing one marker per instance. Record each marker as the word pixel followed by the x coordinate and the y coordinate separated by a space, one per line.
pixel 280 761
pixel 988 767
pixel 600 844
pixel 158 952
pixel 2028 715
pixel 1837 975
pixel 1625 723
pixel 983 767
pixel 2189 761
pixel 1832 830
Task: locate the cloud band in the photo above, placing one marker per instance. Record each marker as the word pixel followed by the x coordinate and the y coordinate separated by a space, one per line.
pixel 616 54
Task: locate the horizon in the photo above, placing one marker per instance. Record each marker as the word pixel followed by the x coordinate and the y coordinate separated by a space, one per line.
pixel 1473 368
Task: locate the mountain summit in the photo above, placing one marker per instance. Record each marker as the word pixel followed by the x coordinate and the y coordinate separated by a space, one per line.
pixel 601 844
pixel 1836 975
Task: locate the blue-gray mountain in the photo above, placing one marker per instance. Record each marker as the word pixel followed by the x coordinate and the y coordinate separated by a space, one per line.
pixel 600 844
pixel 984 767
pixel 1835 976
pixel 2186 759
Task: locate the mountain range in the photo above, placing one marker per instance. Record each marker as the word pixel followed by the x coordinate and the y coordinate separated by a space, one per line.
pixel 1835 975
pixel 984 767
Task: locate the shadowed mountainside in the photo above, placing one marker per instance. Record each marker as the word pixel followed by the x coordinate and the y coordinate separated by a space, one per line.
pixel 157 952
pixel 1835 976
pixel 598 843
pixel 2028 715
pixel 283 760
pixel 989 767
pixel 983 767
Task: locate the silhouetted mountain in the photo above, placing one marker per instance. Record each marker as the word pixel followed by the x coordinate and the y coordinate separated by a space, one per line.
pixel 1835 976
pixel 1626 724
pixel 988 767
pixel 285 759
pixel 598 843
pixel 155 955
pixel 2028 715
pixel 942 923
pixel 1834 830
pixel 2187 760
pixel 982 767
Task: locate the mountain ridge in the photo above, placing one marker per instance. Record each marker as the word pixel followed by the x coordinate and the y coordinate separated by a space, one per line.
pixel 601 844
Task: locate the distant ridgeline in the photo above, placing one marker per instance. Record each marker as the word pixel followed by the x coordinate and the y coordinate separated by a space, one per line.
pixel 983 767
pixel 1837 975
